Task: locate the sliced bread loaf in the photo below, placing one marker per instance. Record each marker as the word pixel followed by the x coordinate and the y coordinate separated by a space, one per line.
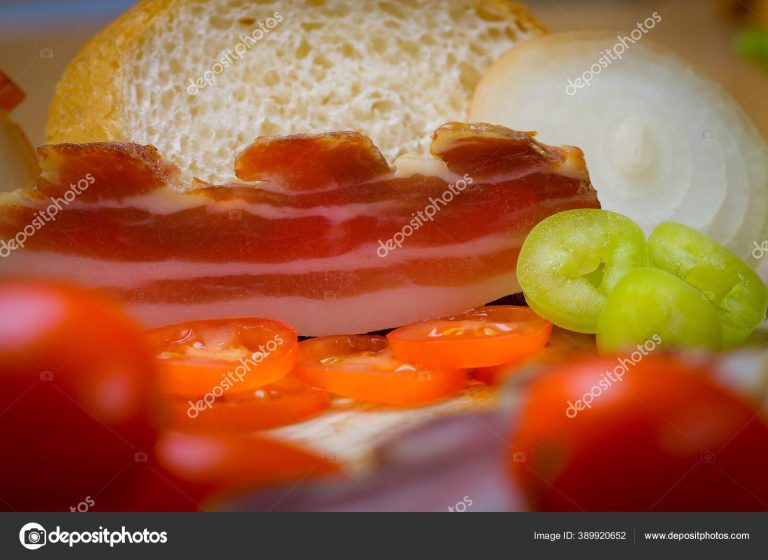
pixel 201 79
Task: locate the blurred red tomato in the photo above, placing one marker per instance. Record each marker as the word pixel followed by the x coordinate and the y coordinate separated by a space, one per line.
pixel 662 436
pixel 76 389
pixel 187 470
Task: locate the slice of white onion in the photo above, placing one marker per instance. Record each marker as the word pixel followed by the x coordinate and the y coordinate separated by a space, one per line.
pixel 661 142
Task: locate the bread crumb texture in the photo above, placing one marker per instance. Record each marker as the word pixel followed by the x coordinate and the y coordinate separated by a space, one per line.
pixel 201 79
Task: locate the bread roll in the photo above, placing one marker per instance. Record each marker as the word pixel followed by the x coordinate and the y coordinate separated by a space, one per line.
pixel 201 79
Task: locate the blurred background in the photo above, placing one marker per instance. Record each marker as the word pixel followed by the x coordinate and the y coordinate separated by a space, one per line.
pixel 725 39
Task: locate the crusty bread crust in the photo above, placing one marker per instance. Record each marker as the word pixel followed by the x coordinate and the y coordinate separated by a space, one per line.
pixel 86 103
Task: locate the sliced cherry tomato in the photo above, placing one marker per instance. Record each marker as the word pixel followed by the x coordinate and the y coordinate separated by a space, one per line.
pixel 492 375
pixel 563 346
pixel 285 401
pixel 187 471
pixel 77 385
pixel 362 367
pixel 233 354
pixel 486 336
pixel 636 433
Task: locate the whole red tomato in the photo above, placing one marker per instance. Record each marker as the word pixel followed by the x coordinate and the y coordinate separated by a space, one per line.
pixel 657 435
pixel 76 390
pixel 186 471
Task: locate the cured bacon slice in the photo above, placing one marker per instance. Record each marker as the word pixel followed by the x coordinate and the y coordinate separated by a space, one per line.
pixel 324 234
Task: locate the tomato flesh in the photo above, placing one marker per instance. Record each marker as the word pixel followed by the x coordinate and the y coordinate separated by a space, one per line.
pixel 283 402
pixel 236 354
pixel 493 375
pixel 483 337
pixel 563 346
pixel 362 367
